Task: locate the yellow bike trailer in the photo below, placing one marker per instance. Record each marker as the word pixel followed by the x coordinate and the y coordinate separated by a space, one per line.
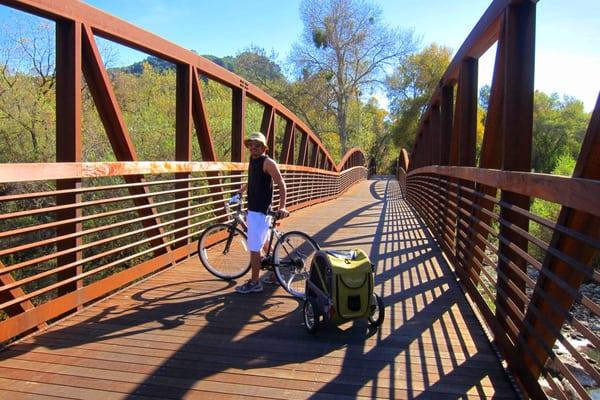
pixel 340 288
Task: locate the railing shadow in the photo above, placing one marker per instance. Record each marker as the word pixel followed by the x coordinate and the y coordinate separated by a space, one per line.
pixel 416 285
pixel 411 267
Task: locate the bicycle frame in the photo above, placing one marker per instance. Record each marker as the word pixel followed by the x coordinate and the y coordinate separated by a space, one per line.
pixel 238 219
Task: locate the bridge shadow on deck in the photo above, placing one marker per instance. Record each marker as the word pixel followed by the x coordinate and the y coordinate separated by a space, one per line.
pixel 177 336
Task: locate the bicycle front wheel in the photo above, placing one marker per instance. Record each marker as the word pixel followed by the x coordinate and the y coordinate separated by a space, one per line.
pixel 292 258
pixel 223 250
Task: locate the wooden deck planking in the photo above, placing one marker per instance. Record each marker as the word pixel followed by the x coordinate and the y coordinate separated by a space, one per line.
pixel 186 334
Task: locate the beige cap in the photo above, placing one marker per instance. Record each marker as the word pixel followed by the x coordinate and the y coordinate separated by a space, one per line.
pixel 256 136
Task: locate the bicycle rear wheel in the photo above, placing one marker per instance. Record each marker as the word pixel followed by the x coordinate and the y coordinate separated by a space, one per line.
pixel 223 250
pixel 292 257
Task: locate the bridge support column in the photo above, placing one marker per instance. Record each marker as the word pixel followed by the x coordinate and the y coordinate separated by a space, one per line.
pixel 183 146
pixel 519 50
pixel 68 143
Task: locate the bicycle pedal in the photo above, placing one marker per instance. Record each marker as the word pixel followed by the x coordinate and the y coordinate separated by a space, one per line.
pixel 265 262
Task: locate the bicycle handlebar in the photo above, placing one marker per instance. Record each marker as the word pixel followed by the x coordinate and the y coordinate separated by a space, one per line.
pixel 236 199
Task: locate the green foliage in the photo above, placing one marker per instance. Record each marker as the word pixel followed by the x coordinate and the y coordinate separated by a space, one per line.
pixel 260 69
pixel 147 101
pixel 558 129
pixel 27 129
pixel 157 64
pixel 218 107
pixel 565 165
pixel 410 88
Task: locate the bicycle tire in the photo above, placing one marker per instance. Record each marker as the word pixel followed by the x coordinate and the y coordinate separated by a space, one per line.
pixel 223 264
pixel 291 265
pixel 377 314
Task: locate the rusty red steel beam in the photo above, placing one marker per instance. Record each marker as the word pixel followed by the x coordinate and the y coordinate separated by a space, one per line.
pixel 267 127
pixel 518 35
pixel 68 138
pixel 199 114
pixel 287 147
pixel 122 32
pixel 238 126
pixel 6 279
pixel 303 149
pixel 183 142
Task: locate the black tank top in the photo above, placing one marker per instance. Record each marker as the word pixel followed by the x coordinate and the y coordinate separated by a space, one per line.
pixel 260 186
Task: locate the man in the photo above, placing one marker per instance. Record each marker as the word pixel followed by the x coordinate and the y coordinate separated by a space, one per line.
pixel 262 171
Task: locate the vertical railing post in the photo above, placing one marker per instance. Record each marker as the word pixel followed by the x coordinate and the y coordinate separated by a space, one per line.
pixel 68 142
pixel 287 148
pixel 302 151
pixel 446 123
pixel 267 127
pixel 467 137
pixel 183 145
pixel 517 122
pixel 436 138
pixel 238 129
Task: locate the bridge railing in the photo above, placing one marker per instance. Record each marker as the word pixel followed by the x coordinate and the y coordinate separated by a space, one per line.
pixel 130 219
pixel 531 278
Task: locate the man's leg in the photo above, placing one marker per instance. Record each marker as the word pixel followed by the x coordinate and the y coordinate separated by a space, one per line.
pixel 255 264
pixel 257 229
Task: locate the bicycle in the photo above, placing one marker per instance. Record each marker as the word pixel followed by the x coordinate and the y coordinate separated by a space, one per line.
pixel 223 250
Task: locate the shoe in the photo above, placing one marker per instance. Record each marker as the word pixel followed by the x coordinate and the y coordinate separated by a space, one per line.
pixel 249 287
pixel 269 278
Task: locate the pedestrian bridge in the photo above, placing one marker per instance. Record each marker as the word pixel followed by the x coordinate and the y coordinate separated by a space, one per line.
pixel 103 296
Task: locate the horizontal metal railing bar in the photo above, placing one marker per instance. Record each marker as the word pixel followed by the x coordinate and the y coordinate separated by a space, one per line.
pixel 550 275
pixel 584 269
pixel 577 193
pixel 27 263
pixel 83 275
pixel 526 235
pixel 12 173
pixel 538 219
pixel 77 170
pixel 25 196
pixel 96 256
pixel 585 301
pixel 91 203
pixel 53 224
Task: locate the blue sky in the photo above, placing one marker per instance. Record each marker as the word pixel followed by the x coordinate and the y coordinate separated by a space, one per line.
pixel 567 47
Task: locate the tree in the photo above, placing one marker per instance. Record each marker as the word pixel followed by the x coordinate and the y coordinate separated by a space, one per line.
pixel 347 42
pixel 258 68
pixel 558 129
pixel 410 88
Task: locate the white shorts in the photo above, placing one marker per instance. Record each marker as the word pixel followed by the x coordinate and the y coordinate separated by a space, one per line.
pixel 258 228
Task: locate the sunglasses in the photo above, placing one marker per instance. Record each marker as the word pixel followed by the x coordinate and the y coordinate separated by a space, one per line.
pixel 252 143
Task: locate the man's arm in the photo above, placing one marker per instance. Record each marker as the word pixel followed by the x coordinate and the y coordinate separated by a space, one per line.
pixel 270 167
